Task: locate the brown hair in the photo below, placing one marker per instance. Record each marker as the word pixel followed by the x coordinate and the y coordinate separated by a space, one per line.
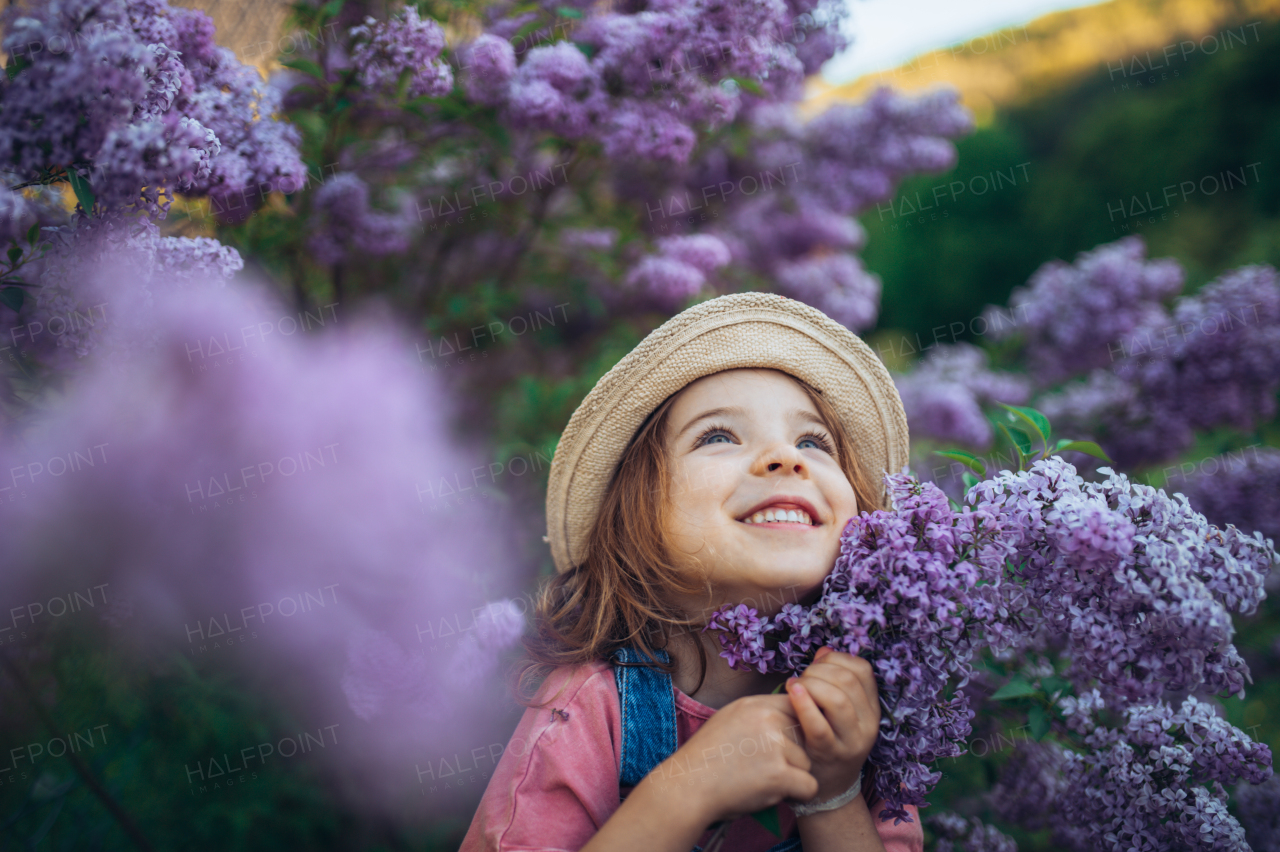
pixel 620 594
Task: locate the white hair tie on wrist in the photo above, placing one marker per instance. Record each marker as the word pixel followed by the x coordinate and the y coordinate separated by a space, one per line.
pixel 831 804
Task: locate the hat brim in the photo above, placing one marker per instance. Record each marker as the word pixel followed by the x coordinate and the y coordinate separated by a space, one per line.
pixel 745 330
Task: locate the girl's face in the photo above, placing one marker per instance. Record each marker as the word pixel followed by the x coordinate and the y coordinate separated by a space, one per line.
pixel 757 496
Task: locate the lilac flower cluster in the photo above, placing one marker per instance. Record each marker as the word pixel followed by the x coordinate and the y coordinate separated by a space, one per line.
pixel 342 222
pixel 134 94
pixel 1214 361
pixel 1244 491
pixel 79 297
pixel 642 81
pixel 387 49
pixel 943 396
pixel 801 234
pixel 1140 585
pixel 906 591
pixel 1074 313
pixel 1258 809
pixel 1153 783
pixel 679 269
pixel 957 834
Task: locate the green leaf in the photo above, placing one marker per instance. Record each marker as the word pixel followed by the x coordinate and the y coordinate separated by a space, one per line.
pixel 306 66
pixel 769 819
pixel 33 234
pixel 750 85
pixel 84 193
pixel 1014 689
pixel 1054 684
pixel 14 68
pixel 566 12
pixel 15 254
pixel 402 84
pixel 587 49
pixel 1037 421
pixel 11 297
pixel 333 7
pixel 969 480
pixel 1039 721
pixel 969 460
pixel 1062 442
pixel 1088 448
pixel 1018 438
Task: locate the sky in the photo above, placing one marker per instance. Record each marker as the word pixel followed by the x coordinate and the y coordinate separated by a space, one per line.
pixel 887 33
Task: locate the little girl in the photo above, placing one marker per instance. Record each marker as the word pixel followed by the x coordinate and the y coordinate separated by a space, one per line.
pixel 717 463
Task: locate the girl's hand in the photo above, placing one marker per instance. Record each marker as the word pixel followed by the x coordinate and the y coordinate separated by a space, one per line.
pixel 838 706
pixel 745 758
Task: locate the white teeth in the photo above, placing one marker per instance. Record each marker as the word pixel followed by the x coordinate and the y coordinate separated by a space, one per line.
pixel 804 518
pixel 793 516
pixel 757 518
pixel 768 515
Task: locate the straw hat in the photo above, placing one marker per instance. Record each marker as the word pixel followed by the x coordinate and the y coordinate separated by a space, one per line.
pixel 742 330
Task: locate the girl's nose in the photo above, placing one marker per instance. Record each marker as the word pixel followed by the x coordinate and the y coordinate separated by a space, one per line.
pixel 781 457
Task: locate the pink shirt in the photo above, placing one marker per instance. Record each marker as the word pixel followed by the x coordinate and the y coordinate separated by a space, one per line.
pixel 557 781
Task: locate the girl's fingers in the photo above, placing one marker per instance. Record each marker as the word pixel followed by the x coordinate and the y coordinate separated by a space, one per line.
pixel 837 703
pixel 817 730
pixel 858 667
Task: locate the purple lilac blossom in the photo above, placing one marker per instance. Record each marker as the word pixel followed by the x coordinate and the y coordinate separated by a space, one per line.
pixel 240 459
pixel 956 834
pixel 1106 408
pixel 655 76
pixel 836 284
pixel 1153 783
pixel 139 97
pixel 1074 316
pixel 679 269
pixel 387 49
pixel 490 63
pixel 1237 488
pixel 905 592
pixel 1138 583
pixel 342 222
pixel 1258 809
pixel 1216 360
pixel 78 299
pixel 943 396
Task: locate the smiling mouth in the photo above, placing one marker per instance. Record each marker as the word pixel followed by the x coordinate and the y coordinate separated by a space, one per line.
pixel 780 517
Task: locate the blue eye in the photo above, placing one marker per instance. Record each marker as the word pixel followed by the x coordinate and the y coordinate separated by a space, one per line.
pixel 714 435
pixel 816 442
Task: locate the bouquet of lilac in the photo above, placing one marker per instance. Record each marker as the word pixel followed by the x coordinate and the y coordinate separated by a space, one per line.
pixel 909 592
pixel 1136 586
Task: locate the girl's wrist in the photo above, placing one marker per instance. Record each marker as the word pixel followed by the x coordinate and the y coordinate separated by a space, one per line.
pixel 826 801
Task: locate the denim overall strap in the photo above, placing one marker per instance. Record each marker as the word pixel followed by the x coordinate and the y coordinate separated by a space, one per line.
pixel 649 722
pixel 648 714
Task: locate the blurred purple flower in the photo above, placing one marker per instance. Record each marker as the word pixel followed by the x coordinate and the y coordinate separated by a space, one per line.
pixel 239 461
pixel 405 44
pixel 943 396
pixel 1231 489
pixel 343 222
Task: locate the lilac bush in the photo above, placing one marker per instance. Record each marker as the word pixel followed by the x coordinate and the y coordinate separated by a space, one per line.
pixel 136 98
pixel 1072 315
pixel 1239 488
